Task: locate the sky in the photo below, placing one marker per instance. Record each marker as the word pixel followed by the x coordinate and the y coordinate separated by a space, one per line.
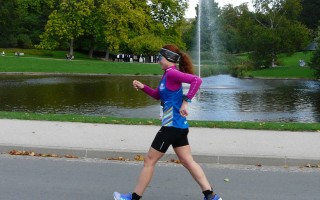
pixel 191 13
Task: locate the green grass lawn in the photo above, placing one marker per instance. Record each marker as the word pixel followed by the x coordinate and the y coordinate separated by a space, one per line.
pixel 281 126
pixel 283 72
pixel 43 53
pixel 46 61
pixel 288 68
pixel 52 65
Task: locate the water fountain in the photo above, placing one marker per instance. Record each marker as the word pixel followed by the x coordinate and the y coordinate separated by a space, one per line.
pixel 199 38
pixel 208 45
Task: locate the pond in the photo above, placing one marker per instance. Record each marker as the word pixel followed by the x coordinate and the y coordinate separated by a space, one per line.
pixel 221 97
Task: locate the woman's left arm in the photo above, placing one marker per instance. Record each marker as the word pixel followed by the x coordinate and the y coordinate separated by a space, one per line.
pixel 176 78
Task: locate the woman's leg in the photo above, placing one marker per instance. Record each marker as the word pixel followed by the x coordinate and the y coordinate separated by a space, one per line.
pixel 146 173
pixel 186 159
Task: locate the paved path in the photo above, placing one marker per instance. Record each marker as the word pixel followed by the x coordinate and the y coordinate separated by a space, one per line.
pixel 209 145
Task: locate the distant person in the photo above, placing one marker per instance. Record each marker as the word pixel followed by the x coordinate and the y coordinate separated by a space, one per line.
pixel 302 63
pixel 69 57
pixel 3 53
pixel 141 59
pixel 174 129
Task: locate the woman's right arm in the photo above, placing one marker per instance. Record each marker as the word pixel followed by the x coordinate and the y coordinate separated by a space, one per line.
pixel 154 93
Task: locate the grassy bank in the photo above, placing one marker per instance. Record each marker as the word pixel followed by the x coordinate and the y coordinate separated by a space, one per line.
pixel 288 67
pixel 52 65
pixel 46 61
pixel 43 53
pixel 138 121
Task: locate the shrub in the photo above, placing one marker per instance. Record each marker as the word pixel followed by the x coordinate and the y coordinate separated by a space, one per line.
pixel 24 41
pixel 315 63
pixel 239 69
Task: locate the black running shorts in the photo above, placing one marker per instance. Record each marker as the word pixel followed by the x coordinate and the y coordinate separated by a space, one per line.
pixel 167 136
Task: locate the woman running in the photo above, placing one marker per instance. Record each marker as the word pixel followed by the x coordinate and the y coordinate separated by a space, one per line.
pixel 174 128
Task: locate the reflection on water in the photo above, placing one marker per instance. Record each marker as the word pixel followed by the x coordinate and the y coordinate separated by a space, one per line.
pixel 89 95
pixel 232 99
pixel 221 98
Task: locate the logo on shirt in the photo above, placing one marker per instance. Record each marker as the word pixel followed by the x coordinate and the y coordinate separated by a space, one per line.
pixel 161 86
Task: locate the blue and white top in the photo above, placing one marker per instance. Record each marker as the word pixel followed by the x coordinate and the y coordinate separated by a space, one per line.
pixel 172 101
pixel 170 93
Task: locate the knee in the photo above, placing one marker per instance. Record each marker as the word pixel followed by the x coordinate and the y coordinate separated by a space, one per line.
pixel 149 161
pixel 187 163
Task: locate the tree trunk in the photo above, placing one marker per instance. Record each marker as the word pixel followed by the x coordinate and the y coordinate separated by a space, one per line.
pixel 92 47
pixel 273 64
pixel 71 47
pixel 107 54
pixel 91 52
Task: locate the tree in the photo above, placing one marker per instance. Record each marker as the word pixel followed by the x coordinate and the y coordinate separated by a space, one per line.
pixel 22 21
pixel 146 45
pixel 315 60
pixel 112 25
pixel 168 12
pixel 188 30
pixel 236 24
pixel 66 24
pixel 9 20
pixel 93 26
pixel 154 24
pixel 122 20
pixel 167 18
pixel 310 15
pixel 277 30
pixel 34 16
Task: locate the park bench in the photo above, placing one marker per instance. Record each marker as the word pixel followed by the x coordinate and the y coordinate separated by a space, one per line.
pixel 19 54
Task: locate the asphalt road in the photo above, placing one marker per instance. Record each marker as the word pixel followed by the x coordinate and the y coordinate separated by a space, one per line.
pixel 29 178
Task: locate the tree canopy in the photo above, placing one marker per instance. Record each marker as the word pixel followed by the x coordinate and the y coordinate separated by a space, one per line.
pixel 115 25
pixel 271 29
pixel 143 26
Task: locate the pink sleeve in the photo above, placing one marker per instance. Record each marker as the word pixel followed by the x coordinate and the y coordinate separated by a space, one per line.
pixel 154 93
pixel 175 78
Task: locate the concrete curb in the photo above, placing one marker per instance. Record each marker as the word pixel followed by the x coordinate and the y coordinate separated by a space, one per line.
pixel 205 159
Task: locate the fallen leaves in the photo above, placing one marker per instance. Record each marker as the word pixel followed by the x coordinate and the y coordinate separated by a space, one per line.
pixel 21 153
pixel 118 158
pixel 31 153
pixel 139 158
pixel 174 161
pixel 70 156
pixel 312 166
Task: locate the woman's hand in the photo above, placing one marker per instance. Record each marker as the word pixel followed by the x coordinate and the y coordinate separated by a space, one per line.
pixel 184 109
pixel 137 85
